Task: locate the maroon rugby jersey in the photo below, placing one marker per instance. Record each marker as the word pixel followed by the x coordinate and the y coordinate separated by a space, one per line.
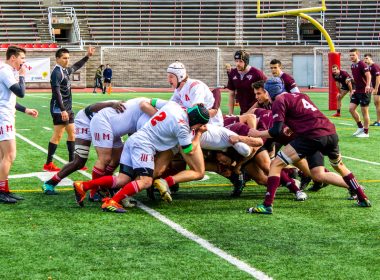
pixel 265 119
pixel 243 86
pixel 374 69
pixel 289 82
pixel 301 115
pixel 265 122
pixel 358 73
pixel 342 78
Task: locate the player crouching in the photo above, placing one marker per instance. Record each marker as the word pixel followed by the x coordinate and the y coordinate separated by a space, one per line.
pixel 169 127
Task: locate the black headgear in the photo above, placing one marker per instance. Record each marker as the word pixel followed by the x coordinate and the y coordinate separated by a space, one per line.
pixel 198 114
pixel 243 55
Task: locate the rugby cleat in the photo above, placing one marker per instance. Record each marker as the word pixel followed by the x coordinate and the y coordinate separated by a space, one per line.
pixel 239 184
pixel 162 186
pixel 129 202
pixel 50 167
pixel 260 209
pixel 362 135
pixel 5 198
pixel 301 196
pixel 317 186
pixel 110 205
pixel 358 131
pixel 80 194
pixel 305 180
pixel 336 115
pixel 48 189
pixel 15 196
pixel 364 203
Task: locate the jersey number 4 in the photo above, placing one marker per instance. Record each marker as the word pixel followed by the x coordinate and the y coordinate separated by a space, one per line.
pixel 159 118
pixel 308 105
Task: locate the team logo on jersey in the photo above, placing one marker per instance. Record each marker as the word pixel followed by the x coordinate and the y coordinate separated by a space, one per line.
pixel 249 77
pixel 106 136
pixel 275 116
pixel 187 98
pixel 234 78
pixel 181 121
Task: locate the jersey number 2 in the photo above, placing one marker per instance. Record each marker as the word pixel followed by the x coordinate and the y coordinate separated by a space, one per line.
pixel 159 118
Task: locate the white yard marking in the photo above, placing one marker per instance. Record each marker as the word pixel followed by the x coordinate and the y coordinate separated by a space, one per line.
pixel 43 176
pixel 349 124
pixel 362 160
pixel 46 128
pixel 188 234
pixel 23 129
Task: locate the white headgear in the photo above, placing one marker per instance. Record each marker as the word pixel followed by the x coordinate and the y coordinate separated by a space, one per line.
pixel 178 69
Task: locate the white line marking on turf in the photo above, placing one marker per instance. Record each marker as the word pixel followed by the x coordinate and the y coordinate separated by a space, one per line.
pixel 204 243
pixel 23 129
pixel 350 124
pixel 47 128
pixel 362 160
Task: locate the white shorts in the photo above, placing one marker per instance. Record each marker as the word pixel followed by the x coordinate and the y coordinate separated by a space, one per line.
pixel 82 126
pixel 7 130
pixel 102 134
pixel 136 155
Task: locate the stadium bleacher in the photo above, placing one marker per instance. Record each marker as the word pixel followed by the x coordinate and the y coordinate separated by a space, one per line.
pixel 19 21
pixel 190 23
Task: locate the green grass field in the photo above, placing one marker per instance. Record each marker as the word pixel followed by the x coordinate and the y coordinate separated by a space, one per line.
pixel 325 237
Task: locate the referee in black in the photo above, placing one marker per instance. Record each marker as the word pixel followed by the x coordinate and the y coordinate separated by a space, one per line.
pixel 61 104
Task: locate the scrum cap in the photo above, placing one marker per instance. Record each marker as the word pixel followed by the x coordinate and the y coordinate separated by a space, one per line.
pixel 177 69
pixel 274 86
pixel 198 114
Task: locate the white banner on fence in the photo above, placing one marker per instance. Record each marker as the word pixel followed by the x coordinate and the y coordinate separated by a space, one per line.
pixel 38 70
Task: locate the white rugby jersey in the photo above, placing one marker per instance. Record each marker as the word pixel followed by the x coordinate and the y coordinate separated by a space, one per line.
pixel 166 129
pixel 194 92
pixel 8 77
pixel 126 122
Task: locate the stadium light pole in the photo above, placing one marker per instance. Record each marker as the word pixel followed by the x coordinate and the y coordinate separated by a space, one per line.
pixel 333 57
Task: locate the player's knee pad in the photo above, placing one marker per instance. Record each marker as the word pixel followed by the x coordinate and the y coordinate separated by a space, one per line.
pixel 82 151
pixel 335 161
pixel 284 158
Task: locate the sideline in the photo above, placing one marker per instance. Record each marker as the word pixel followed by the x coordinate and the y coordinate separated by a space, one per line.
pixel 184 232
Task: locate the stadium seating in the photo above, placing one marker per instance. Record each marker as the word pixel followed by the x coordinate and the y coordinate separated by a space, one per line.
pixel 191 22
pixel 19 20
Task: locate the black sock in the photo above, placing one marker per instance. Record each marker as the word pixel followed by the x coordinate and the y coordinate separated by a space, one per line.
pixel 51 151
pixel 70 147
pixel 338 111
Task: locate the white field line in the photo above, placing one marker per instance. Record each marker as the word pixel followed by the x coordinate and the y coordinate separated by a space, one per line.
pixel 46 128
pixel 349 124
pixel 204 243
pixel 362 160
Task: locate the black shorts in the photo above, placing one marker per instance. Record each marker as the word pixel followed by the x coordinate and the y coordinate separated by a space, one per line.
pixel 57 118
pixel 133 173
pixel 107 80
pixel 311 148
pixel 361 98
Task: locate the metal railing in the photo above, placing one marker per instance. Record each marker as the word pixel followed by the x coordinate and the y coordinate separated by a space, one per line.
pixel 65 12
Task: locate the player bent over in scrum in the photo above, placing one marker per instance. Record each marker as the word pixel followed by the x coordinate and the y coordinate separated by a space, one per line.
pixel 82 143
pixel 315 136
pixel 169 127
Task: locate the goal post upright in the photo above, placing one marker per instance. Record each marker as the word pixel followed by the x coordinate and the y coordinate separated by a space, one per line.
pixel 333 57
